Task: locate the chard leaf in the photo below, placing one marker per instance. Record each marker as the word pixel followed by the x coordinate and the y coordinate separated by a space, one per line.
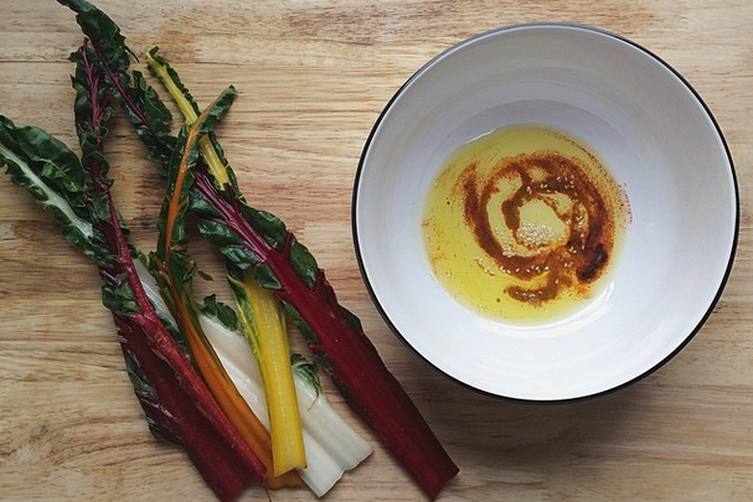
pixel 200 205
pixel 270 226
pixel 217 234
pixel 213 115
pixel 220 312
pixel 303 262
pixel 307 371
pixel 307 331
pixel 98 26
pixel 139 100
pixel 118 297
pixel 265 277
pixel 156 137
pixel 46 168
pixel 241 257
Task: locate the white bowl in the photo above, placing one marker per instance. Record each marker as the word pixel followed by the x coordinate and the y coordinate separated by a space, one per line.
pixel 655 135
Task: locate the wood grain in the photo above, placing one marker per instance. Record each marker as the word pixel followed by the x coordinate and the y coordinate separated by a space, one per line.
pixel 313 76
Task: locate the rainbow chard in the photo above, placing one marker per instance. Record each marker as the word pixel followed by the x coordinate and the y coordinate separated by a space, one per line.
pixel 176 402
pixel 331 445
pixel 258 243
pixel 174 270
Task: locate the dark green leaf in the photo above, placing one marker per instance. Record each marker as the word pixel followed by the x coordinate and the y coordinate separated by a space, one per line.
pixel 199 205
pixel 46 168
pixel 240 257
pixel 118 298
pixel 353 321
pixel 220 312
pixel 300 323
pixel 307 371
pixel 267 224
pixel 154 124
pixel 264 276
pixel 303 262
pixel 98 26
pixel 142 104
pixel 218 234
pixel 217 110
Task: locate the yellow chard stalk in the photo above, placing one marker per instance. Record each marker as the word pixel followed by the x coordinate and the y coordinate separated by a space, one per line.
pixel 214 162
pixel 263 323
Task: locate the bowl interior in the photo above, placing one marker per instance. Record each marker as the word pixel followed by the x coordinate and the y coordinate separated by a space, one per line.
pixel 653 133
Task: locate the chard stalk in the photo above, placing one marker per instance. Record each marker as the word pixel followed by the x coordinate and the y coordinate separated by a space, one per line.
pixel 134 314
pixel 190 111
pixel 263 323
pixel 258 243
pixel 143 106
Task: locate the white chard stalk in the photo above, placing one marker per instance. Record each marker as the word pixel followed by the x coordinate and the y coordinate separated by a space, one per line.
pixel 332 445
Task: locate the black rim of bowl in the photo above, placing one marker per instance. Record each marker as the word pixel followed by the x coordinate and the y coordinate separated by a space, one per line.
pixel 354 202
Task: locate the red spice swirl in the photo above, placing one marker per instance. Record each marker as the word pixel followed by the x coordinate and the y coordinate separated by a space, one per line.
pixel 544 268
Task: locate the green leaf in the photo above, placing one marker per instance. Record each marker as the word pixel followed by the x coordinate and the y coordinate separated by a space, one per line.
pixel 46 168
pixel 240 257
pixel 353 321
pixel 140 101
pixel 118 297
pixel 303 262
pixel 217 110
pixel 157 136
pixel 218 234
pixel 264 276
pixel 98 26
pixel 307 372
pixel 308 334
pixel 220 312
pixel 199 205
pixel 267 224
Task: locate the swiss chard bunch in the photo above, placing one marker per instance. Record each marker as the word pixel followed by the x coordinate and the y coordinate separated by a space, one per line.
pixel 256 242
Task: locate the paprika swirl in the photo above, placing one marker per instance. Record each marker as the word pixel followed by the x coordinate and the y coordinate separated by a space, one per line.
pixel 586 251
pixel 531 222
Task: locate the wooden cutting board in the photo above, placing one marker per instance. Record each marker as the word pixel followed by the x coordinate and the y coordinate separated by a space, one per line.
pixel 313 77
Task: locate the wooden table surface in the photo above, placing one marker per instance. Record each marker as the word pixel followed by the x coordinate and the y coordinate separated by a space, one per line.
pixel 313 76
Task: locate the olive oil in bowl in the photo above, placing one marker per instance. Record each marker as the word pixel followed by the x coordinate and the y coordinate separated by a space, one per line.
pixel 522 224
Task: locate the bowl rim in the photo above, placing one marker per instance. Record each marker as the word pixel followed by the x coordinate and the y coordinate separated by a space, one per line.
pixel 538 25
